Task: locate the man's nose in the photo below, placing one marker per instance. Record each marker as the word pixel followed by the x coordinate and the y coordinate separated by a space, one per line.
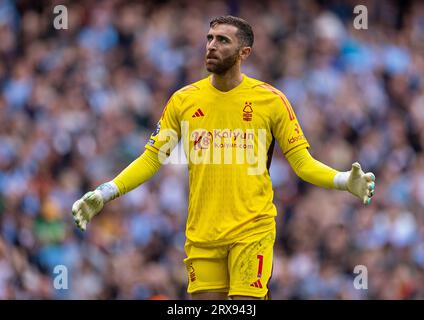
pixel 211 45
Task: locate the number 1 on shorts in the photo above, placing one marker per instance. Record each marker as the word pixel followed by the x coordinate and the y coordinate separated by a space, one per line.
pixel 261 260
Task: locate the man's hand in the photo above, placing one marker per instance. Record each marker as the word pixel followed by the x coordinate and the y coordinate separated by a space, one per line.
pixel 86 208
pixel 357 182
pixel 361 184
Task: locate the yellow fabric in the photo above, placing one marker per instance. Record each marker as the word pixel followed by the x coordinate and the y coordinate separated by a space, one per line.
pixel 311 170
pixel 140 170
pixel 228 198
pixel 243 268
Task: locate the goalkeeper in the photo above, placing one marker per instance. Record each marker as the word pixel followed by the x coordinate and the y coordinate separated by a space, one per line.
pixel 230 230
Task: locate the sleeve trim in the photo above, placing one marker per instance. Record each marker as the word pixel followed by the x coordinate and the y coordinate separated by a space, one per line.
pixel 306 144
pixel 155 150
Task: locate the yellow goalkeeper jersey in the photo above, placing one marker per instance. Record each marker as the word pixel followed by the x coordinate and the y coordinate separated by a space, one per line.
pixel 228 138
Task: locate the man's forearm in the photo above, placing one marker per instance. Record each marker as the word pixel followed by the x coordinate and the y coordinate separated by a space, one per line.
pixel 139 171
pixel 312 170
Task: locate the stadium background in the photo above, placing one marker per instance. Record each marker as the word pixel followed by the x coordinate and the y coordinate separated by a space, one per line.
pixel 78 105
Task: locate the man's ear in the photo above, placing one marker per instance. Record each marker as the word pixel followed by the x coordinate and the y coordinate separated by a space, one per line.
pixel 245 52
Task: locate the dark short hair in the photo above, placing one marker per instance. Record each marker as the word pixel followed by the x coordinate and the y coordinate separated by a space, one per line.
pixel 244 32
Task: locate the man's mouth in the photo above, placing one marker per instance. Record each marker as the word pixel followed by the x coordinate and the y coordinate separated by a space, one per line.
pixel 211 57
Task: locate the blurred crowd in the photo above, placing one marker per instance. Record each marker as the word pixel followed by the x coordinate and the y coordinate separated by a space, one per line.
pixel 78 105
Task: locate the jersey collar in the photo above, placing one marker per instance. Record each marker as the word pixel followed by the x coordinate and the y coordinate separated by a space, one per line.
pixel 235 89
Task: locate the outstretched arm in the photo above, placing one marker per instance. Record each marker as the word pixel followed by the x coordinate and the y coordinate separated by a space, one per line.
pixel 355 181
pixel 162 141
pixel 139 171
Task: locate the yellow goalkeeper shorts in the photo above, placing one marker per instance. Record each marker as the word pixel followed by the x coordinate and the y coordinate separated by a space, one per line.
pixel 242 268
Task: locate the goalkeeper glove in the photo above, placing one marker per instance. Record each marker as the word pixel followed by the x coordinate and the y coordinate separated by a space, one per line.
pixel 92 203
pixel 356 182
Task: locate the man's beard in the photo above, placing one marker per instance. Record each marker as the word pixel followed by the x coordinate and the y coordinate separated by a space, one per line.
pixel 225 65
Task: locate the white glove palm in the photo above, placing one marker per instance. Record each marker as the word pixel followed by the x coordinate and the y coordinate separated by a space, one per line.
pixel 86 208
pixel 357 182
pixel 361 184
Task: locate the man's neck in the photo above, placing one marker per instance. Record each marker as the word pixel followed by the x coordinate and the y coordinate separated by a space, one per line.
pixel 227 81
